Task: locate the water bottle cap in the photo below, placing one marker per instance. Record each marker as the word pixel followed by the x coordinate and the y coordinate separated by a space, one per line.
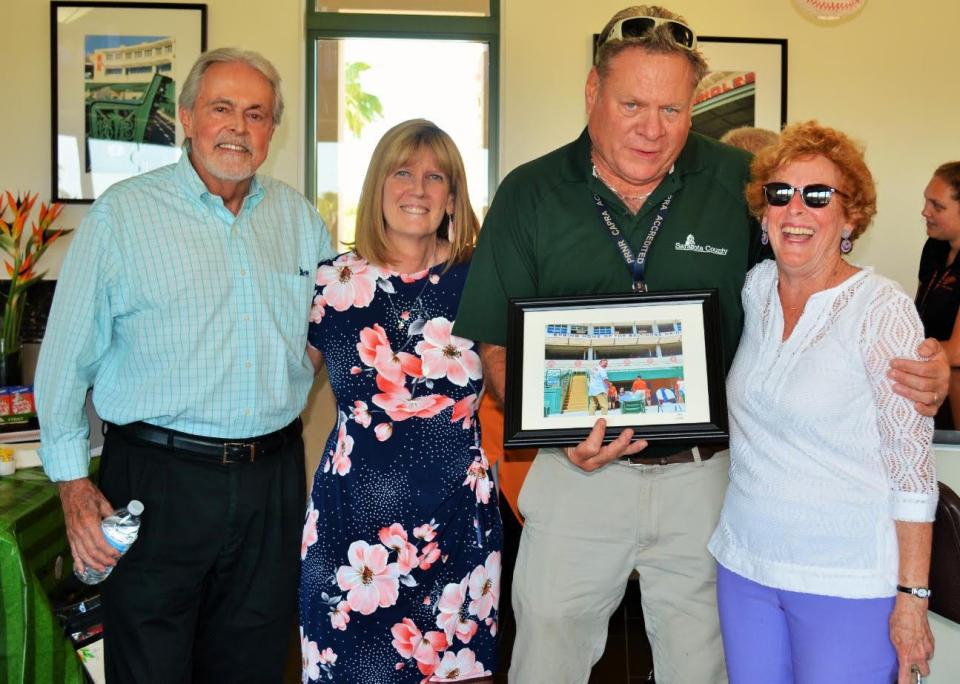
pixel 135 507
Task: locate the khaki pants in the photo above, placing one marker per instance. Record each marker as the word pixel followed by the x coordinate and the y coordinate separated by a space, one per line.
pixel 584 534
pixel 598 401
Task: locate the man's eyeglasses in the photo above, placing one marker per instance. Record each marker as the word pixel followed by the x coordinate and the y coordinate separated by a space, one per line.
pixel 638 27
pixel 815 195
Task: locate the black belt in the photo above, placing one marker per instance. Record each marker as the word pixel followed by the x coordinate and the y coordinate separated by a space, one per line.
pixel 707 452
pixel 222 451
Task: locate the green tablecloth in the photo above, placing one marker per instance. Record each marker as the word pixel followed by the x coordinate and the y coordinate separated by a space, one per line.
pixel 34 555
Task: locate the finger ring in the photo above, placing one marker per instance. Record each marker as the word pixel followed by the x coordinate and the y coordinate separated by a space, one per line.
pixel 936 397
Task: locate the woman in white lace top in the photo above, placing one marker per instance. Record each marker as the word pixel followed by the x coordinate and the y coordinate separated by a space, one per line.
pixel 832 477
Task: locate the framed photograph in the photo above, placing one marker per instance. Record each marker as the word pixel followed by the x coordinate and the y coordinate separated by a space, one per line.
pixel 746 85
pixel 652 362
pixel 116 71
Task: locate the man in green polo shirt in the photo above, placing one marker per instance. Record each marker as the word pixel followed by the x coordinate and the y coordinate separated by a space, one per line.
pixel 591 515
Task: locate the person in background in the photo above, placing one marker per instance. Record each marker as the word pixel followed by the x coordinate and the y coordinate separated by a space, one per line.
pixel 938 295
pixel 402 539
pixel 749 138
pixel 824 538
pixel 545 235
pixel 613 397
pixel 183 302
pixel 598 389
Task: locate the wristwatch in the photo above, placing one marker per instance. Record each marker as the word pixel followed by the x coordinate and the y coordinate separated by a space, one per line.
pixel 919 592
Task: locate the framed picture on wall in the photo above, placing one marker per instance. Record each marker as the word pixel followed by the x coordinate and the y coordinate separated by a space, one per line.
pixel 116 72
pixel 746 85
pixel 652 362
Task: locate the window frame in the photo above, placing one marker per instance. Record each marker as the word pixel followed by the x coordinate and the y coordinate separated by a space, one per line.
pixel 337 25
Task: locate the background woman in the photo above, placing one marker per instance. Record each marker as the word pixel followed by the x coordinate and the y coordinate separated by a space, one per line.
pixel 938 296
pixel 401 545
pixel 832 482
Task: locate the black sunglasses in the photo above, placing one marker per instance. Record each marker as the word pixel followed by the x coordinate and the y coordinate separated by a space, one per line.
pixel 815 195
pixel 638 27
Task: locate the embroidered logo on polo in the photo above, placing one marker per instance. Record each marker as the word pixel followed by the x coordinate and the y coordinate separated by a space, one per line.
pixel 691 246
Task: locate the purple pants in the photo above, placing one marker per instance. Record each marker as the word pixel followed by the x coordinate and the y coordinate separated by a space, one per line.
pixel 771 636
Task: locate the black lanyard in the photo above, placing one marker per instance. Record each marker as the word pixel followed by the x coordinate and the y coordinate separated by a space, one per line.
pixel 636 263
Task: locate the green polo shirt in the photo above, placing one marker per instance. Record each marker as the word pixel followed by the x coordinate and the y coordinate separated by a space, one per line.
pixel 543 236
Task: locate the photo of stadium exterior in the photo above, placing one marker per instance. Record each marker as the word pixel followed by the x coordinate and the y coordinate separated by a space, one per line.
pixel 644 367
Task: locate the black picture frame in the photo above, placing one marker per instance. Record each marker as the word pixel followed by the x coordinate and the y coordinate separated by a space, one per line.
pixel 746 85
pixel 672 340
pixel 115 73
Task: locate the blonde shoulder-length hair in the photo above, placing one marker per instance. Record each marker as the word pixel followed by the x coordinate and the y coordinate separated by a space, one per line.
pixel 397 147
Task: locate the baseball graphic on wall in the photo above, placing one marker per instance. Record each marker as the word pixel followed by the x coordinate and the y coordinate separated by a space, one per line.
pixel 829 10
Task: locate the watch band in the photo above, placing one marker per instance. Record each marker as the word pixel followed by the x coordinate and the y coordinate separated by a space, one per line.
pixel 919 592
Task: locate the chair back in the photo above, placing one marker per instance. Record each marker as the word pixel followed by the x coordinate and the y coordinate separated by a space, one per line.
pixel 945 560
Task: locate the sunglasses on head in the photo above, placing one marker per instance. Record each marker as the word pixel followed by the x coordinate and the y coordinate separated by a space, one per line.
pixel 638 27
pixel 815 195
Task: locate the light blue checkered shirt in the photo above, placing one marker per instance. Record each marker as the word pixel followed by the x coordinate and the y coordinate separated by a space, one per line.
pixel 180 314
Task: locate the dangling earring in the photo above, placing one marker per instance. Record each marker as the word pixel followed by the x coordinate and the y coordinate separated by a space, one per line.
pixel 764 238
pixel 846 244
pixel 449 226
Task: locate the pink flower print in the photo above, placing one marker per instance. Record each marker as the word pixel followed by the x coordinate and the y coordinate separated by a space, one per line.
pixel 492 624
pixel 485 586
pixel 446 355
pixel 309 530
pixel 464 410
pixel 340 455
pixel 434 279
pixel 395 538
pixel 340 616
pixel 410 643
pixel 429 555
pixel 349 281
pixel 426 531
pixel 413 277
pixel 404 315
pixel 309 659
pixel 463 665
pixel 478 479
pixel 360 414
pixel 355 370
pixel 383 431
pixel 375 351
pixel 369 580
pixel 450 617
pixel 317 309
pixel 327 656
pixel 400 404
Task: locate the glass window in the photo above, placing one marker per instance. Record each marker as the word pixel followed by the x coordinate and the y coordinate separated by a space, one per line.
pixel 477 8
pixel 364 87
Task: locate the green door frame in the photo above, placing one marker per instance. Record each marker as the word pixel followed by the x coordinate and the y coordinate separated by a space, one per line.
pixel 327 25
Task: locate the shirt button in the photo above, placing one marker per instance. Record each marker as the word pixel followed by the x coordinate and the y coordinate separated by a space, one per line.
pixel 247 364
pixel 243 272
pixel 247 412
pixel 246 317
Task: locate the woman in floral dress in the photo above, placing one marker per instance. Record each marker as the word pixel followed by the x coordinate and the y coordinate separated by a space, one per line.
pixel 401 543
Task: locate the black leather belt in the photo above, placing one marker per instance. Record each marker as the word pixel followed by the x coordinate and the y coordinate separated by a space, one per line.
pixel 686 456
pixel 222 451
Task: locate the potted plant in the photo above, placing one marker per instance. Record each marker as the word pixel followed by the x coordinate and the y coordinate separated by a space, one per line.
pixel 21 251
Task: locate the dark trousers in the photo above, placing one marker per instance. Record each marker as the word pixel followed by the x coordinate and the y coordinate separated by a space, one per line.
pixel 208 591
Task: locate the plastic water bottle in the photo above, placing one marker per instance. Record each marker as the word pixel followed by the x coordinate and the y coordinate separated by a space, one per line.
pixel 121 530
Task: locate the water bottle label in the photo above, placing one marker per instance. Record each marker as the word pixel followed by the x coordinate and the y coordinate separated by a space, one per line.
pixel 122 548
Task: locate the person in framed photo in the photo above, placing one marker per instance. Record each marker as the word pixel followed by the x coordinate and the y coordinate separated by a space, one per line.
pixel 184 303
pixel 824 539
pixel 598 389
pixel 638 175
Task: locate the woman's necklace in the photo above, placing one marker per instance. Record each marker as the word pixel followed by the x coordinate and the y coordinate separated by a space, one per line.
pixel 829 283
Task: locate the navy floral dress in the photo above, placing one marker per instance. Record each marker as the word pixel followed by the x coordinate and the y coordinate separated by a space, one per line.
pixel 401 542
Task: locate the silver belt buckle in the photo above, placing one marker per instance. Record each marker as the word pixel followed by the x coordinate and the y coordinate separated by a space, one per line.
pixel 233 448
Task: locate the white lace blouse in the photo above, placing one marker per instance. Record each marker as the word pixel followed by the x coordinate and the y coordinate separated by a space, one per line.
pixel 824 457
